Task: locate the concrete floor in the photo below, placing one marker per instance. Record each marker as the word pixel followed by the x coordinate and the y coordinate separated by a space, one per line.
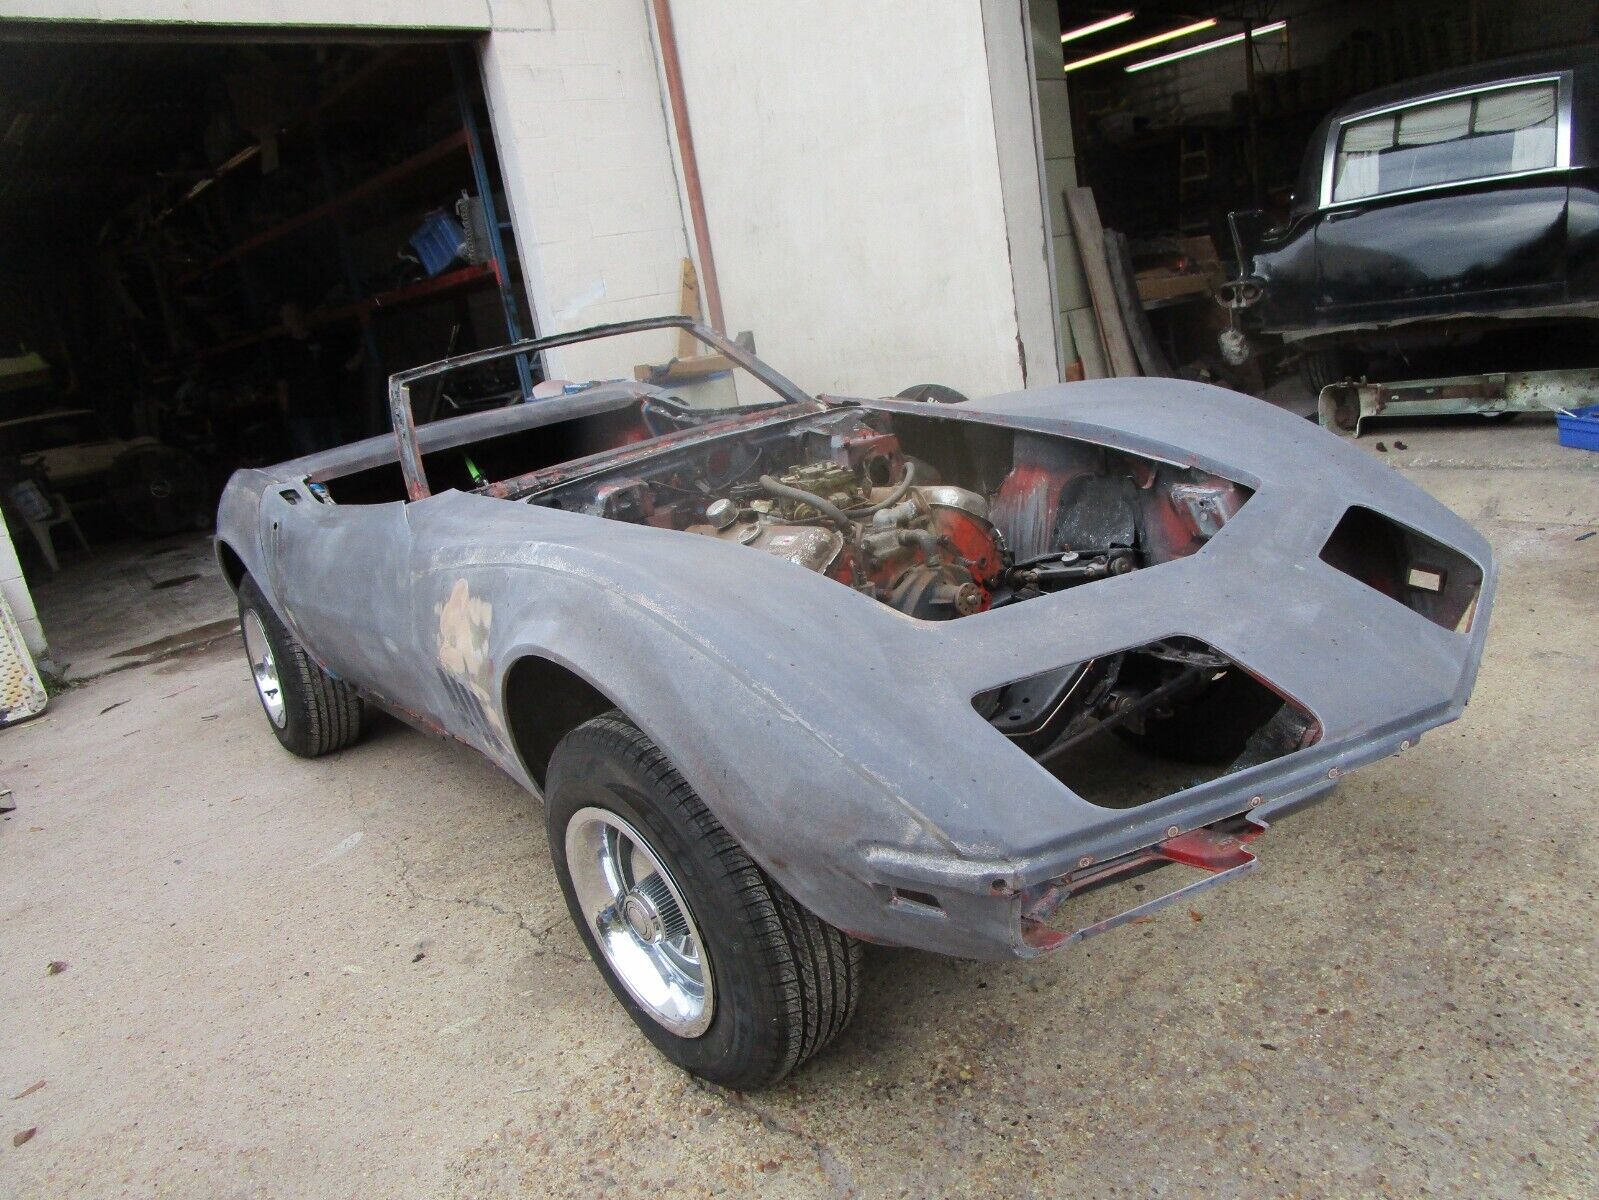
pixel 355 977
pixel 131 602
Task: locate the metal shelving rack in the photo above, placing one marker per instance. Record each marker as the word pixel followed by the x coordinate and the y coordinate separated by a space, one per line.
pixel 464 143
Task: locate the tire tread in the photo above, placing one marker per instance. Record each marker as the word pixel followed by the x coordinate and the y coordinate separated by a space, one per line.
pixel 331 713
pixel 815 968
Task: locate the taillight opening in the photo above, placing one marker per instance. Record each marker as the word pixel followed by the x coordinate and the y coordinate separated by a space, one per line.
pixel 1422 574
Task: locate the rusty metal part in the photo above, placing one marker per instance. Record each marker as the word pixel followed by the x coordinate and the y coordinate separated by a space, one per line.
pixel 965 528
pixel 1208 505
pixel 838 485
pixel 1343 407
pixel 1221 854
pixel 691 167
pixel 938 593
pixel 804 499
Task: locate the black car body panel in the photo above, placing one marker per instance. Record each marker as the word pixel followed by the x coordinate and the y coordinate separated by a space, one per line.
pixel 1428 202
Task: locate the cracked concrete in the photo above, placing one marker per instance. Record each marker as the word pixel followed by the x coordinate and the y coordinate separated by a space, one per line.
pixel 833 1171
pixel 539 936
pixel 259 1002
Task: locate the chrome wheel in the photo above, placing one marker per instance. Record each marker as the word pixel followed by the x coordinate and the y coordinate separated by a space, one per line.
pixel 640 920
pixel 264 668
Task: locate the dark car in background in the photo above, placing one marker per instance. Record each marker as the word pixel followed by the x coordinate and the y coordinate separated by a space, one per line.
pixel 1431 212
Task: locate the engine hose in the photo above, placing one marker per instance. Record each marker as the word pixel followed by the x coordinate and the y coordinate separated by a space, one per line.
pixel 799 496
pixel 903 486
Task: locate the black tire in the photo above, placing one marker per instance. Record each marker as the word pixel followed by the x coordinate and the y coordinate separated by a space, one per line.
pixel 158 490
pixel 1212 725
pixel 785 982
pixel 932 393
pixel 321 714
pixel 1318 368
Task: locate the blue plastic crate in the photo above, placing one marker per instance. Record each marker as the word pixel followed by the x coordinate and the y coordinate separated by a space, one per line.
pixel 438 242
pixel 1580 428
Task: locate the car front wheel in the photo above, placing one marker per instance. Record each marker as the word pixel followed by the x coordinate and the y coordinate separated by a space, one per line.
pixel 718 966
pixel 310 711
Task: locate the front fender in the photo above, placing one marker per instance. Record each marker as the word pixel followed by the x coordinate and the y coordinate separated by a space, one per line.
pixel 239 524
pixel 805 806
pixel 770 708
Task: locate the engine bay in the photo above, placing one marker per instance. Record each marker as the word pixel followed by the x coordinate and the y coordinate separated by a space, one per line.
pixel 936 518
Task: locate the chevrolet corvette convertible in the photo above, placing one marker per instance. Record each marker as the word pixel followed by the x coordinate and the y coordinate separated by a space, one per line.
pixel 792 673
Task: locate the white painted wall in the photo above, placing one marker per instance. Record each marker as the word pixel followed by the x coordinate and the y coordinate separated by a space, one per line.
pixel 852 189
pixel 587 162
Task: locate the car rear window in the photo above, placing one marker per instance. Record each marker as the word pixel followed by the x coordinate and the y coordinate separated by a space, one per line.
pixel 1502 131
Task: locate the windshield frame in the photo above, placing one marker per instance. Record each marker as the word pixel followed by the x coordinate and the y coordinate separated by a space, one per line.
pixel 403 417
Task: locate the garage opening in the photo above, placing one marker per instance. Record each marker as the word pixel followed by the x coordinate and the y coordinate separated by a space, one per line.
pixel 212 256
pixel 1207 141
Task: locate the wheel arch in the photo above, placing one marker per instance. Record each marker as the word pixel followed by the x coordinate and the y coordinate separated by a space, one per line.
pixel 232 564
pixel 544 694
pixel 543 700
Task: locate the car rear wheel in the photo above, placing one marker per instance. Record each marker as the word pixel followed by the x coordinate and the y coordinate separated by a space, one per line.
pixel 1318 368
pixel 932 393
pixel 718 966
pixel 310 711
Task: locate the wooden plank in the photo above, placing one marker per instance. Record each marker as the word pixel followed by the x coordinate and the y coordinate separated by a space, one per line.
pixel 1163 285
pixel 1119 258
pixel 1090 236
pixel 1201 250
pixel 695 367
pixel 688 303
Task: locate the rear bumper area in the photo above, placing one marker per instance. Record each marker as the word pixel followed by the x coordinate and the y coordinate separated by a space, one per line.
pixel 1038 919
pixel 1220 852
pixel 1020 909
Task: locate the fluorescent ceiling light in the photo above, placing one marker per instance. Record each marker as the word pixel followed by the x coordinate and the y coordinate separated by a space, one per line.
pixel 1145 44
pixel 1230 40
pixel 1082 31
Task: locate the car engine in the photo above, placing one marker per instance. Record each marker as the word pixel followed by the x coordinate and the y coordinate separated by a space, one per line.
pixel 948 531
pixel 930 552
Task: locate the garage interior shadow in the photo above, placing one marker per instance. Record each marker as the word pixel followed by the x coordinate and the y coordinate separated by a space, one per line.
pixel 214 249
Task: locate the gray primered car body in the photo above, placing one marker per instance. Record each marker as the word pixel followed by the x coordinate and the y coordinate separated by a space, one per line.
pixel 834 737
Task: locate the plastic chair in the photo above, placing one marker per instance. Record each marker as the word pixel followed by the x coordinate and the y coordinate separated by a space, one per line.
pixel 41 512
